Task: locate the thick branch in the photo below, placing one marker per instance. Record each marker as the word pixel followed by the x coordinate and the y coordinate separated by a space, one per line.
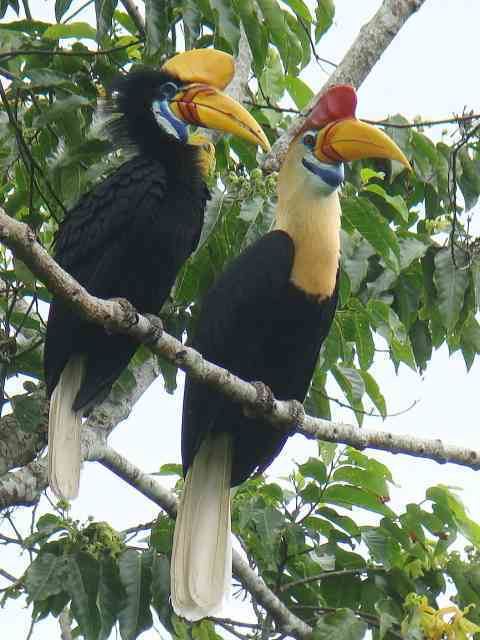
pixel 134 13
pixel 283 414
pixel 367 49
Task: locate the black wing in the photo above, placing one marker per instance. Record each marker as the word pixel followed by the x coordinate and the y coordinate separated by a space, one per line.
pixel 127 238
pixel 258 325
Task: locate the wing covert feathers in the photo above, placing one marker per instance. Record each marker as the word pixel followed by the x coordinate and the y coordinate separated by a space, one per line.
pixel 201 571
pixel 64 426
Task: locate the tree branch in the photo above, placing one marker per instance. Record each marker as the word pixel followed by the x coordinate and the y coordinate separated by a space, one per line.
pixel 134 13
pixel 120 317
pixel 367 49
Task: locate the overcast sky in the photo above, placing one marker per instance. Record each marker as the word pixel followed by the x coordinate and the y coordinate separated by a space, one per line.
pixel 427 70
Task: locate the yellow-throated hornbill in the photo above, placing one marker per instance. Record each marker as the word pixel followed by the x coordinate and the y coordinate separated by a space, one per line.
pixel 264 319
pixel 129 236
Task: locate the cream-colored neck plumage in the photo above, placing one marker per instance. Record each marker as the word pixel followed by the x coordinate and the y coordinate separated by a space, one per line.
pixel 312 220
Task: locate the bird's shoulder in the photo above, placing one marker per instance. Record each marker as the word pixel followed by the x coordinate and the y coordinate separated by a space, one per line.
pixel 113 204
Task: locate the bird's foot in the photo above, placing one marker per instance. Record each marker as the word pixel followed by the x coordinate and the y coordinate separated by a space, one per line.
pixel 265 400
pixel 130 314
pixel 155 330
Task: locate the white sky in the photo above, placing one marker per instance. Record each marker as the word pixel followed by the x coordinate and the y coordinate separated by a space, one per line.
pixel 427 70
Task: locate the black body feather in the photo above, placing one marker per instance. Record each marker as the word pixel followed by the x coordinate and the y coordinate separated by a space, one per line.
pixel 127 237
pixel 258 325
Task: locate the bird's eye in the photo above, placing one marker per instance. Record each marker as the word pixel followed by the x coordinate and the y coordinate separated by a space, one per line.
pixel 167 91
pixel 309 140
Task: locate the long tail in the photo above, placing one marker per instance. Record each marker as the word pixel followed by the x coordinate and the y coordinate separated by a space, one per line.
pixel 64 426
pixel 201 572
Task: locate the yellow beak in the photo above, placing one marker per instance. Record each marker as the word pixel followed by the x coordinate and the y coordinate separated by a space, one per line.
pixel 205 106
pixel 352 139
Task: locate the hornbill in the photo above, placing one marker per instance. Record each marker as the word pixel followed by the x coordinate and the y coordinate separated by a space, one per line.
pixel 129 236
pixel 264 319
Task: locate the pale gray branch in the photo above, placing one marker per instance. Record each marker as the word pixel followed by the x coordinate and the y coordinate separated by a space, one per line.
pixel 283 414
pixel 134 13
pixel 366 50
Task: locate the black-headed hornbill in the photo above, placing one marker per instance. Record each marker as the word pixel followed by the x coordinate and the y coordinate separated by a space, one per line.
pixel 129 236
pixel 264 319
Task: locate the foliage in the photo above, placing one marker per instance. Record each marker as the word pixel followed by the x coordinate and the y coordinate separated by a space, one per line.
pixel 405 284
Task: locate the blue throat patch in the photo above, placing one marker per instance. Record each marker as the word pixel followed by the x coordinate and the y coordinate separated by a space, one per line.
pixel 331 174
pixel 169 123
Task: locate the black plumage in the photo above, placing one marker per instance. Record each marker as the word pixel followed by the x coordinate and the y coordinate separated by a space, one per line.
pixel 127 238
pixel 257 324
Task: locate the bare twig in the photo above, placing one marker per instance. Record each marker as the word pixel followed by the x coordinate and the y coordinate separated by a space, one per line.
pixel 7 55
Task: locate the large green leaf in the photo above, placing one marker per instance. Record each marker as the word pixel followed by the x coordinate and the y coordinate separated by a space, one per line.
pixel 46 576
pixel 82 586
pixel 343 624
pixel 450 502
pixel 61 8
pixel 80 30
pixel 451 281
pixel 226 22
pixel 281 35
pixel 161 586
pixel 255 31
pixel 324 13
pixel 351 496
pixel 365 217
pixel 135 576
pixel 110 596
pixel 157 26
pixel 299 91
pixel 104 12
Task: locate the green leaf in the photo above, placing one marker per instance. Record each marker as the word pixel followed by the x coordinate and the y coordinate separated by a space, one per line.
pixel 256 33
pixel 341 521
pixel 451 282
pixel 364 341
pixel 365 217
pixel 58 108
pixel 343 624
pixel 40 78
pixel 351 496
pixel 226 22
pixel 157 26
pixel 104 13
pixel 324 13
pixel 61 8
pixel 397 202
pixel 299 91
pixel 192 21
pixel 272 79
pixel 421 341
pixel 281 35
pixel 443 496
pixel 383 548
pixel 79 30
pixel 28 411
pixel 134 616
pixel 161 587
pixel 300 8
pixel 469 179
pixel 363 478
pixel 373 391
pixel 315 469
pixel 82 585
pixel 45 576
pixel 110 596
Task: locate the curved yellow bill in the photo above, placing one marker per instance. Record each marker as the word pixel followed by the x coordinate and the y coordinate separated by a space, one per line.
pixel 205 106
pixel 206 66
pixel 352 139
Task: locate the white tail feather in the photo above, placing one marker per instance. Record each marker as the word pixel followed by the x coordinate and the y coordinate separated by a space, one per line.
pixel 64 426
pixel 201 572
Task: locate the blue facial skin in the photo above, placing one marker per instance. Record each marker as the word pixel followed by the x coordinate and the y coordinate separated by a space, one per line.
pixel 332 174
pixel 165 118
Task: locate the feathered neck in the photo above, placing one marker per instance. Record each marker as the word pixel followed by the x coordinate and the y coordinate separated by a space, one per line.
pixel 312 221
